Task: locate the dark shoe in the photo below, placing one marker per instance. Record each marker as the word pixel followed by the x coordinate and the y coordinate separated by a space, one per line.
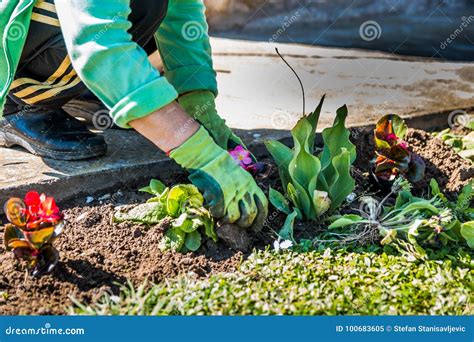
pixel 51 134
pixel 92 111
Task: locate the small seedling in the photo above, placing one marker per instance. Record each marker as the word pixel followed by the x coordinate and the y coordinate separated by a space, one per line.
pixel 35 223
pixel 462 208
pixel 462 144
pixel 181 205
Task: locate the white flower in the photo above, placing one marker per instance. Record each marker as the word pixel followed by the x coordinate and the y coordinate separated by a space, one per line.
pixel 281 245
pixel 115 299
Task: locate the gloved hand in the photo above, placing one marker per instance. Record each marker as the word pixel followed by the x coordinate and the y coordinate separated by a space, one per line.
pixel 230 191
pixel 201 105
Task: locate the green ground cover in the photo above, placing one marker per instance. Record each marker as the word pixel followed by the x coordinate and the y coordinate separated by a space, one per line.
pixel 328 282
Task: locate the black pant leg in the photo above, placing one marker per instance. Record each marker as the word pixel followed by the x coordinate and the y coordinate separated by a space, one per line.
pixel 45 77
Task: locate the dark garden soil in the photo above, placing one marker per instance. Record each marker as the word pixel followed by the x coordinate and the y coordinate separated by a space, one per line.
pixel 97 254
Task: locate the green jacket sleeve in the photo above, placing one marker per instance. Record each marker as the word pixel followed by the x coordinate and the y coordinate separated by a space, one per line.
pixel 183 42
pixel 109 62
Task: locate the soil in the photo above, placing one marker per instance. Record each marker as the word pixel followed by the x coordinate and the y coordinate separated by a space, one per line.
pixel 97 255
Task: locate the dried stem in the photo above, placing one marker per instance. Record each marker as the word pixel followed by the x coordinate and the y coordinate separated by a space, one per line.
pixel 299 80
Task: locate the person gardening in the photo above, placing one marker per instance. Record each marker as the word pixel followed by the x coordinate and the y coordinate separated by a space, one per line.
pixel 53 52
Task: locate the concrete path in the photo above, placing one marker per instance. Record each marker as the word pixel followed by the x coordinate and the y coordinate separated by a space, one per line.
pixel 258 89
pixel 259 94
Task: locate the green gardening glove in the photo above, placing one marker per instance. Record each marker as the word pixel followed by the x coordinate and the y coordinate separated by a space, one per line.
pixel 201 105
pixel 229 190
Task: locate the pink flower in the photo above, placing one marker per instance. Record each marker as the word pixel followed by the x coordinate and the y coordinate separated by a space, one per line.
pixel 241 156
pixel 404 145
pixel 391 137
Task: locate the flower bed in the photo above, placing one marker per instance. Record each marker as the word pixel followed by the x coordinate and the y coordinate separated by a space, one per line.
pixel 98 255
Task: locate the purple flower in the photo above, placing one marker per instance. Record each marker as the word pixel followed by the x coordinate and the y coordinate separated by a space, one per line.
pixel 241 156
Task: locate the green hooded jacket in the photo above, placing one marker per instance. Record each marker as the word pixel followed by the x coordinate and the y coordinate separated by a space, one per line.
pixel 106 59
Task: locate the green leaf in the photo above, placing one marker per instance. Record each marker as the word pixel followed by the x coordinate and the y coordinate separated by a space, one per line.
pixel 465 197
pixel 209 228
pixel 148 213
pixel 467 232
pixel 160 198
pixel 39 237
pixel 173 240
pixel 279 201
pixel 146 189
pixel 182 196
pixel 313 119
pixel 388 124
pixel 422 205
pixel 404 197
pixel 300 199
pixel 346 220
pixel 194 196
pixel 282 156
pixel 304 166
pixel 342 182
pixel 185 224
pixel 11 232
pixel 400 128
pixel 335 139
pixel 176 197
pixel 436 191
pixel 286 232
pixel 155 188
pixel 193 241
pixel 450 235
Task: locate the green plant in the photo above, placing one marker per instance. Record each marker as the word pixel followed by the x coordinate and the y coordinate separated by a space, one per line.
pixel 314 184
pixel 182 207
pixel 411 224
pixel 35 223
pixel 462 144
pixel 462 209
pixel 393 156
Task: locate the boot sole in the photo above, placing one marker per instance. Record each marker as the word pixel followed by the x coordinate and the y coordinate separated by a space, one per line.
pixel 8 140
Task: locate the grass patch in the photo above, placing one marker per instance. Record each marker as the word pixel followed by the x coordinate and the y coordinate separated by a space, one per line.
pixel 327 283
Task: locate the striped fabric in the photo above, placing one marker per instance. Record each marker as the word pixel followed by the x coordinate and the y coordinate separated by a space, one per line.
pixel 32 91
pixel 45 12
